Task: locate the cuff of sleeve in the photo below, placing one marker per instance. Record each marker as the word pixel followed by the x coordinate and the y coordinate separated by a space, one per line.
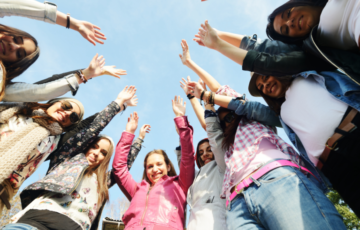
pixel 234 104
pixel 249 60
pixel 244 42
pixel 209 113
pixel 73 83
pixel 50 12
pixel 116 106
pixel 181 122
pixel 141 140
pixel 127 137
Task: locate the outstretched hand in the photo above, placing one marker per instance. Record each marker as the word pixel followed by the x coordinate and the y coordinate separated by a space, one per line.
pixel 89 31
pixel 179 106
pixel 207 36
pixel 185 57
pixel 144 130
pixel 196 88
pixel 184 85
pixel 132 124
pixel 126 94
pixel 96 68
pixel 132 101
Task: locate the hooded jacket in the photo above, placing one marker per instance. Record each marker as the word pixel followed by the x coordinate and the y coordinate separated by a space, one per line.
pixel 163 206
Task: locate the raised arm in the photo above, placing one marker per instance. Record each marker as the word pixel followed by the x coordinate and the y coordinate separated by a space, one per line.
pixel 47 12
pixel 187 164
pixel 120 166
pixel 198 109
pixel 80 141
pixel 136 146
pixel 233 39
pixel 216 136
pixel 205 76
pixel 253 110
pixel 58 85
pixel 275 64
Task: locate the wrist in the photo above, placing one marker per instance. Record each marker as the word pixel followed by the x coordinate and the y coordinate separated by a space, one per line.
pixel 142 137
pixel 179 115
pixel 120 102
pixel 74 24
pixel 79 80
pixel 130 131
pixel 87 74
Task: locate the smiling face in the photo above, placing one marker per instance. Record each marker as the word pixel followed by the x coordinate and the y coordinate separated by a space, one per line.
pixel 270 86
pixel 156 167
pixel 205 153
pixel 297 21
pixel 13 49
pixel 62 115
pixel 97 152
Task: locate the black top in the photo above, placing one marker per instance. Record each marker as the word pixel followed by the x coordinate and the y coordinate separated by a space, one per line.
pixel 48 220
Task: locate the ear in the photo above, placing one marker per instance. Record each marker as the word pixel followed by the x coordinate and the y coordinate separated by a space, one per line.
pixel 168 168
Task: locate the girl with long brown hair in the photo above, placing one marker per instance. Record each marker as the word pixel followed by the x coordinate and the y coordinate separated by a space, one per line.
pixel 75 188
pixel 159 200
pixel 19 50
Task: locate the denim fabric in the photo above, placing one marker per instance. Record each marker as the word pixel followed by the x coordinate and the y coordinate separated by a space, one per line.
pixel 18 227
pixel 267 45
pixel 285 199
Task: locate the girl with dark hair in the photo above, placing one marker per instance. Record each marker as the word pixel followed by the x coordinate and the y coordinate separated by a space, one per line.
pixel 266 185
pixel 159 200
pixel 276 58
pixel 19 50
pixel 75 189
pixel 322 122
pixel 207 209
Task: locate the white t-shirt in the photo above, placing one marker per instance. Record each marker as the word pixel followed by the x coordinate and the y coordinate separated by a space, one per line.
pixel 312 113
pixel 339 25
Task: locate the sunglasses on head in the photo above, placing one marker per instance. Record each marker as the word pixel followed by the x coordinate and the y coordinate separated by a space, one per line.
pixel 67 106
pixel 227 119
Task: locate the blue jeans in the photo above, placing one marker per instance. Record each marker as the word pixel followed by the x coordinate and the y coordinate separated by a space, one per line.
pixel 284 198
pixel 18 227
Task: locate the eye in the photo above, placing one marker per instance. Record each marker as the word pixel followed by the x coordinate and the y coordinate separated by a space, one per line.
pixel 104 152
pixel 289 13
pixel 266 78
pixel 65 105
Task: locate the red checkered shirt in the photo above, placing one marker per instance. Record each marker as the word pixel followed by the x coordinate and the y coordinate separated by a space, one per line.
pixel 246 144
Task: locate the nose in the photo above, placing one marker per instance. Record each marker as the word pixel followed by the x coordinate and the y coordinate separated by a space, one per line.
pixel 290 22
pixel 13 46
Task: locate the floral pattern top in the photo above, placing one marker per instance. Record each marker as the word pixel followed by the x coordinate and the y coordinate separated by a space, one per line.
pixel 35 158
pixel 69 163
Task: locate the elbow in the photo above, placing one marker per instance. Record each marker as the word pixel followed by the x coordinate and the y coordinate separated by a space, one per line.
pixel 203 126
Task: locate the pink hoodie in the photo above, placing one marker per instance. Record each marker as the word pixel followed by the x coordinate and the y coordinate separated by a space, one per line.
pixel 163 206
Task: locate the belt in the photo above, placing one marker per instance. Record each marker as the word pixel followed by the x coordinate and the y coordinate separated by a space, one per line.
pixel 345 127
pixel 4 196
pixel 261 172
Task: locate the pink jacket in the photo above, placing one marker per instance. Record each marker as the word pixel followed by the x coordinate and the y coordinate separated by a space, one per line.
pixel 163 206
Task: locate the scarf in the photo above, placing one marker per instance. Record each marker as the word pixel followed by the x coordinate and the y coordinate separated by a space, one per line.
pixel 15 148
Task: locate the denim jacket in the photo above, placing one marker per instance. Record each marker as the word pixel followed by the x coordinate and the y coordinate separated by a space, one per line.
pixel 334 82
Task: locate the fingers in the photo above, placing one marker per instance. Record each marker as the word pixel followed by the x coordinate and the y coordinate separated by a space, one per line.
pixel 180 56
pixel 97 40
pixel 98 33
pixel 95 57
pixel 136 117
pixel 188 79
pixel 96 27
pixel 89 39
pixel 186 45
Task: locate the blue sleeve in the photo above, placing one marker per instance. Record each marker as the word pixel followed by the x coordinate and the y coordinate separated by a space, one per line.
pixel 254 110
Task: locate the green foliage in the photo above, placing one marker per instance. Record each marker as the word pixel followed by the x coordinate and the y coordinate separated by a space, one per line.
pixel 350 219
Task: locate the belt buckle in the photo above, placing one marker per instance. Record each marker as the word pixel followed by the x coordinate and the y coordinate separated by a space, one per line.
pixel 332 147
pixel 238 192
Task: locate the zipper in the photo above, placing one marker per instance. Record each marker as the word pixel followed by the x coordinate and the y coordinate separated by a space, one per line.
pixel 146 205
pixel 77 183
pixel 312 39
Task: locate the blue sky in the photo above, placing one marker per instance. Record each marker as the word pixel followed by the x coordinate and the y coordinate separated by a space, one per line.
pixel 143 37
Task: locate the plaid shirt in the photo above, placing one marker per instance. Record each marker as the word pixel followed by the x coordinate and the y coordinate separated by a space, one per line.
pixel 246 144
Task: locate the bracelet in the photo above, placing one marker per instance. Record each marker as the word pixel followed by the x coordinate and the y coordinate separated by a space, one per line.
pixel 212 98
pixel 124 105
pixel 67 21
pixel 84 75
pixel 81 75
pixel 201 96
pixel 189 96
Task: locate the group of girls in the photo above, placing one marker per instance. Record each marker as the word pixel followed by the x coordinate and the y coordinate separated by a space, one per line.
pixel 248 178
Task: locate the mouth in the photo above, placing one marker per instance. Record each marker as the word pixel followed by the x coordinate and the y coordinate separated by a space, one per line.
pixel 91 159
pixel 156 176
pixel 273 88
pixel 61 117
pixel 207 160
pixel 300 22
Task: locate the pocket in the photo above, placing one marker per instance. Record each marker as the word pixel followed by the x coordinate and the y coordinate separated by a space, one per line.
pixel 277 175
